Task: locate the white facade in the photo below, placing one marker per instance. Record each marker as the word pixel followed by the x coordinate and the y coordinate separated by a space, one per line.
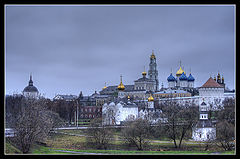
pixel 30 94
pixel 191 84
pixel 212 92
pixel 204 134
pixel 171 84
pixel 114 114
pixel 183 83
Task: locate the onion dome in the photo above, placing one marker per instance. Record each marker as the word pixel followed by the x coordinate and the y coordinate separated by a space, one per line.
pixel 121 86
pixel 183 77
pixel 30 87
pixel 190 77
pixel 152 56
pixel 171 78
pixel 104 86
pixel 144 73
pixel 180 71
pixel 214 78
pixel 150 99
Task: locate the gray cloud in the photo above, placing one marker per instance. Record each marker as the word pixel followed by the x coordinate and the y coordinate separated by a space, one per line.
pixel 77 48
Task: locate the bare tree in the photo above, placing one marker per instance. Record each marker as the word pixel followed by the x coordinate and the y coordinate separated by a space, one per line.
pixel 180 120
pixel 136 132
pixel 225 135
pixel 33 123
pixel 99 135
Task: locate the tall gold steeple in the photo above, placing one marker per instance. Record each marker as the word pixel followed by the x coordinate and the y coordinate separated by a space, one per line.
pixel 121 86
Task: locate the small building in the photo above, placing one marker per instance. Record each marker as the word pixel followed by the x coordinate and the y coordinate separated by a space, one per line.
pixel 204 130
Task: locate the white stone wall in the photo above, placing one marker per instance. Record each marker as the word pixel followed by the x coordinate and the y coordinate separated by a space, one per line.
pixel 30 94
pixel 151 104
pixel 203 134
pixel 213 92
pixel 118 113
pixel 191 84
pixel 171 84
pixel 203 116
pixel 183 83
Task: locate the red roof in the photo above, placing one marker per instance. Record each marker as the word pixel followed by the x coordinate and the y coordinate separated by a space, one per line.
pixel 211 83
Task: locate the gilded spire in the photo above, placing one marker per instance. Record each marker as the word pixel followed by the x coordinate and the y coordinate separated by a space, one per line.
pixel 153 56
pixel 121 86
pixel 105 86
pixel 30 81
pixel 144 73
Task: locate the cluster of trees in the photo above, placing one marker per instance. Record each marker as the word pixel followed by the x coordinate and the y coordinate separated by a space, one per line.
pixel 181 118
pixel 31 121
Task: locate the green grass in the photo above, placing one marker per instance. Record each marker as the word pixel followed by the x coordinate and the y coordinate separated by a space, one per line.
pixel 46 150
pixel 10 149
pixel 134 152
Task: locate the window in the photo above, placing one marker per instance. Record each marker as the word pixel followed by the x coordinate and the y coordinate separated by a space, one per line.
pixel 200 135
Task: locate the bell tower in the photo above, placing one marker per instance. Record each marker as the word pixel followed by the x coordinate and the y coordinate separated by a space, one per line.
pixel 153 72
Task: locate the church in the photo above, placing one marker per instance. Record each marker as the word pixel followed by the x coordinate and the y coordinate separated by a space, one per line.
pixel 30 91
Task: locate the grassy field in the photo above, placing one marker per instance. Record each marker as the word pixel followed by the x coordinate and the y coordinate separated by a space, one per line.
pixel 78 145
pixel 10 149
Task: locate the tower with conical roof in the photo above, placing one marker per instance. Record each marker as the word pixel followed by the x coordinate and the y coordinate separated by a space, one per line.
pixel 153 72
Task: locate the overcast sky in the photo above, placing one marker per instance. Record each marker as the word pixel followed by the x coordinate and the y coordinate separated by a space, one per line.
pixel 69 49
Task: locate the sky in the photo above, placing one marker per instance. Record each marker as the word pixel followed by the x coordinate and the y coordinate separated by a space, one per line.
pixel 76 48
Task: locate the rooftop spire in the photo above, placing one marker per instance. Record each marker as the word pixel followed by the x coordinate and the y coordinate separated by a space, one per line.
pixel 30 81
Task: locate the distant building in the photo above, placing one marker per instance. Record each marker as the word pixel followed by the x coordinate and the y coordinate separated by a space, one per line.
pixel 65 97
pixel 30 91
pixel 204 129
pixel 181 81
pixel 169 93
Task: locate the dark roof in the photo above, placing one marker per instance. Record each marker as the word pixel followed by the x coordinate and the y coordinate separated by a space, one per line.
pixel 30 89
pixel 204 123
pixel 211 83
pixel 114 88
pixel 144 79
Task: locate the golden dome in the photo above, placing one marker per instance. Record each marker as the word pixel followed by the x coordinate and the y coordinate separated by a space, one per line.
pixel 152 56
pixel 214 78
pixel 128 97
pixel 121 86
pixel 144 73
pixel 150 99
pixel 104 86
pixel 180 71
pixel 222 78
